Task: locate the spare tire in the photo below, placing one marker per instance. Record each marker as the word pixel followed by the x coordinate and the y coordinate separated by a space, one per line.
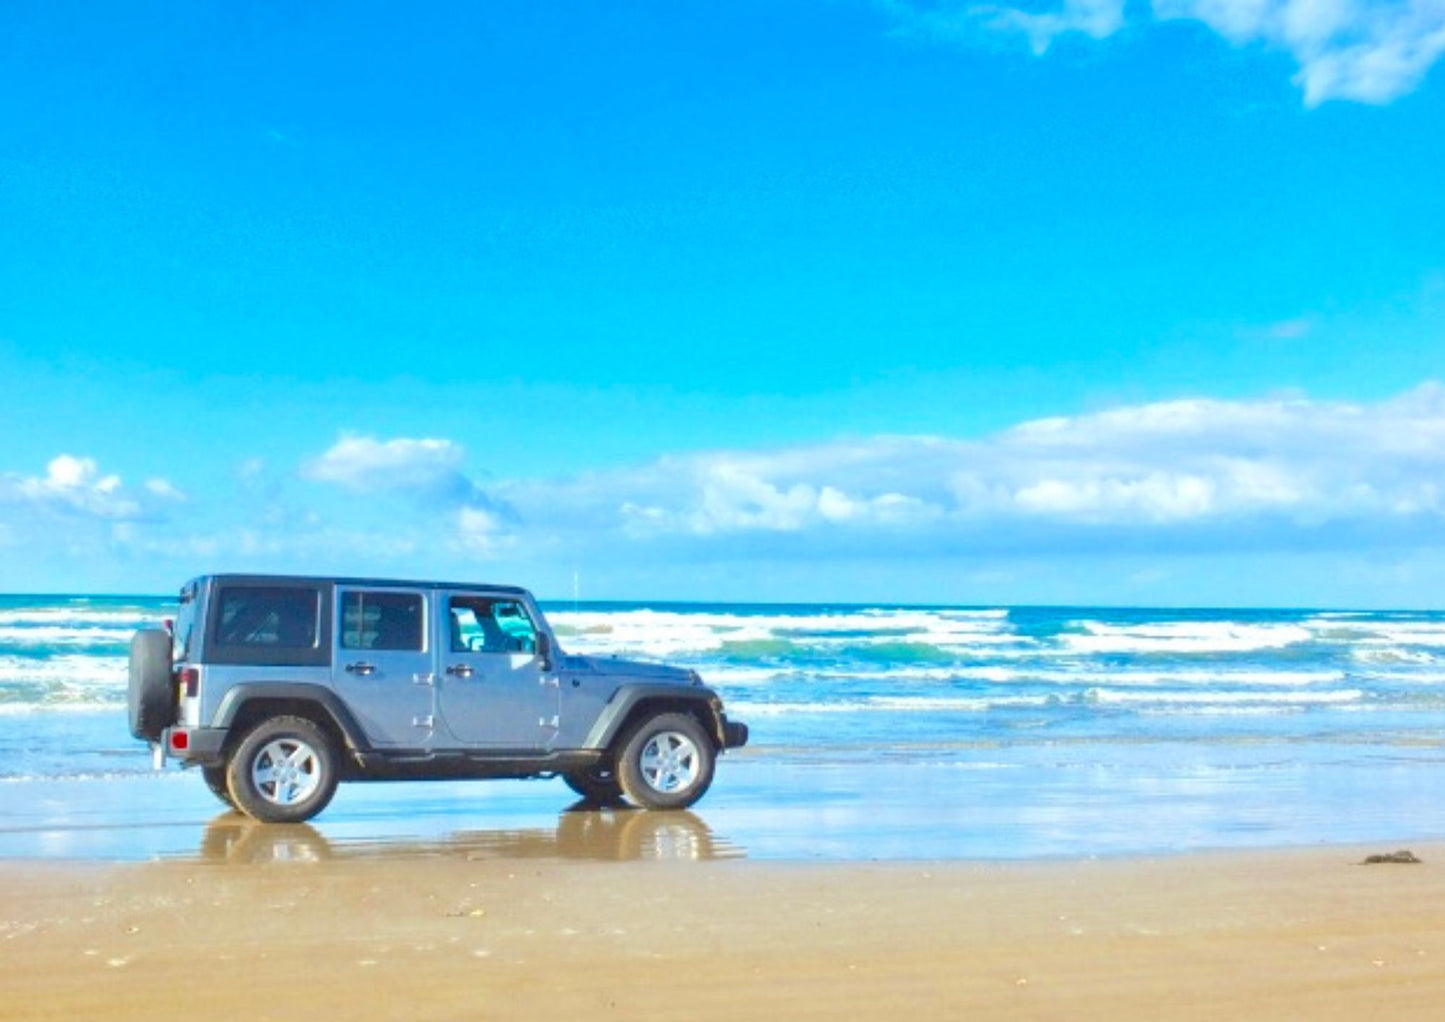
pixel 152 692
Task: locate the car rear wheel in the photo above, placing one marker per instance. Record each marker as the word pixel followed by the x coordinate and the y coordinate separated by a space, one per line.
pixel 283 771
pixel 666 762
pixel 215 778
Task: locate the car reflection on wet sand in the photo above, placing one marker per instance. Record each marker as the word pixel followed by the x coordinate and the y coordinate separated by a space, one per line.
pixel 582 832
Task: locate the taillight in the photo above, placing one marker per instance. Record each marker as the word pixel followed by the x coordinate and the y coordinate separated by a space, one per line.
pixel 180 741
pixel 189 678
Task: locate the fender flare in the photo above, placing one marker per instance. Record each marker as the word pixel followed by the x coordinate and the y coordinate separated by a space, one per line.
pixel 626 698
pixel 235 700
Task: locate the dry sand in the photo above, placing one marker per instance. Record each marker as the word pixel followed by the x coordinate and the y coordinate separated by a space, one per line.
pixel 403 935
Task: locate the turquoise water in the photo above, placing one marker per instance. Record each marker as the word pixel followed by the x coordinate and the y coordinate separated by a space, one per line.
pixel 1046 730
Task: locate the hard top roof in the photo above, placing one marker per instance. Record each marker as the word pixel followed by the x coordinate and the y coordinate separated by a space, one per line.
pixel 371 583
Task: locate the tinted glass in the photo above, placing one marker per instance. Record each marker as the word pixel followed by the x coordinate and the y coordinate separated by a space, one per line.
pixel 185 624
pixel 272 616
pixel 382 620
pixel 483 625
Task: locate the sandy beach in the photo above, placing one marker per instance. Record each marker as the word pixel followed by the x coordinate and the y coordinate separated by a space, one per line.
pixel 398 932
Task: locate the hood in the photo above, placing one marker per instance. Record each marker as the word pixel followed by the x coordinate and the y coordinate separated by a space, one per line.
pixel 636 670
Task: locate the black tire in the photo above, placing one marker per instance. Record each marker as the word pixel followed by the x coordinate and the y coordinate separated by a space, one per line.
pixel 284 770
pixel 215 778
pixel 666 762
pixel 152 695
pixel 598 786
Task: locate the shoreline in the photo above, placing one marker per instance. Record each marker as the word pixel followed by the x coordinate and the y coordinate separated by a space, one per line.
pixel 1043 801
pixel 1243 934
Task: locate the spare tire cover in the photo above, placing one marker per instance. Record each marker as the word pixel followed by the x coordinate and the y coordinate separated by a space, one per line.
pixel 152 692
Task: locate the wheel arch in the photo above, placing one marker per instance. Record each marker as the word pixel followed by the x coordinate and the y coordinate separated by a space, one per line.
pixel 633 703
pixel 248 704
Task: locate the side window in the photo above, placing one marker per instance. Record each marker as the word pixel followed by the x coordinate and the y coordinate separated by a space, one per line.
pixel 268 616
pixel 483 625
pixel 382 621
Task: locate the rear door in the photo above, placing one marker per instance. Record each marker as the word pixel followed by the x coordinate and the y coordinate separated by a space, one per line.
pixel 492 692
pixel 384 666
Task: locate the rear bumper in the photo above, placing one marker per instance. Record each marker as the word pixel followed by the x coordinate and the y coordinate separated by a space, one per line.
pixel 191 745
pixel 735 734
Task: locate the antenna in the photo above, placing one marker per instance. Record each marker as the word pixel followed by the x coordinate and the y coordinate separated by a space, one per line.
pixel 576 588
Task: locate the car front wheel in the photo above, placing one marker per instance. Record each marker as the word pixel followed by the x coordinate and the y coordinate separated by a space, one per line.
pixel 666 762
pixel 283 771
pixel 598 786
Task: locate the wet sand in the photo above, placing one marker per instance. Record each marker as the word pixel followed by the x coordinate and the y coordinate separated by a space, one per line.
pixel 269 924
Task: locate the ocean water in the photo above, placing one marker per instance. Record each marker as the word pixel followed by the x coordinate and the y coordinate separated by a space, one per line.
pixel 1051 730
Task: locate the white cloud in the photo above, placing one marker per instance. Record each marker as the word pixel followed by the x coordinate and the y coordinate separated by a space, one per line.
pixel 1369 51
pixel 1280 473
pixel 164 489
pixel 74 484
pixel 1289 467
pixel 1372 51
pixel 364 464
pixel 478 532
pixel 967 20
pixel 1094 18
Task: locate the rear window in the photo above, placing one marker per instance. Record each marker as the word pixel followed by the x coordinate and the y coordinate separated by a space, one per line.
pixel 382 620
pixel 185 623
pixel 268 616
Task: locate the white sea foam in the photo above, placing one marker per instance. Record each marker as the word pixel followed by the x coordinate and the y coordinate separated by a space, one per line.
pixel 879 704
pixel 1182 637
pixel 675 633
pixel 59 635
pixel 1178 702
pixel 1002 674
pixel 1200 699
pixel 1392 655
pixel 79 617
pixel 1413 633
pixel 68 680
pixel 96 670
pixel 28 709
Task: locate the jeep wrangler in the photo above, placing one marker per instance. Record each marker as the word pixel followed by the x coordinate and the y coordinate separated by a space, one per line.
pixel 279 687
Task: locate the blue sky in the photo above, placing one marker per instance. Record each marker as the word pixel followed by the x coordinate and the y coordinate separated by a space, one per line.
pixel 1086 302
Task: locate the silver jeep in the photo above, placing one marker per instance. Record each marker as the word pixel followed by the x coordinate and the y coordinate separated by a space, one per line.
pixel 279 687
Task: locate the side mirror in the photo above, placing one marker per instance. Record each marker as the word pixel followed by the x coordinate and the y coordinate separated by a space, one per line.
pixel 544 650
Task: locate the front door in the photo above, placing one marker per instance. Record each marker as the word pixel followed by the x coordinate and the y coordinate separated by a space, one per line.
pixel 491 688
pixel 384 665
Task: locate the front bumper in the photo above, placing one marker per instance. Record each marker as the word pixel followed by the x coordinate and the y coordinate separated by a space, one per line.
pixel 735 734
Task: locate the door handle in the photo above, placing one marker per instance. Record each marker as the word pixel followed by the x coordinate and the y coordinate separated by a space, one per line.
pixel 460 671
pixel 360 667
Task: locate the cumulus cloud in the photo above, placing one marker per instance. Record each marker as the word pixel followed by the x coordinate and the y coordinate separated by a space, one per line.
pixel 1372 51
pixel 1201 471
pixel 164 489
pixel 1369 51
pixel 74 484
pixel 964 21
pixel 365 464
pixel 428 472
